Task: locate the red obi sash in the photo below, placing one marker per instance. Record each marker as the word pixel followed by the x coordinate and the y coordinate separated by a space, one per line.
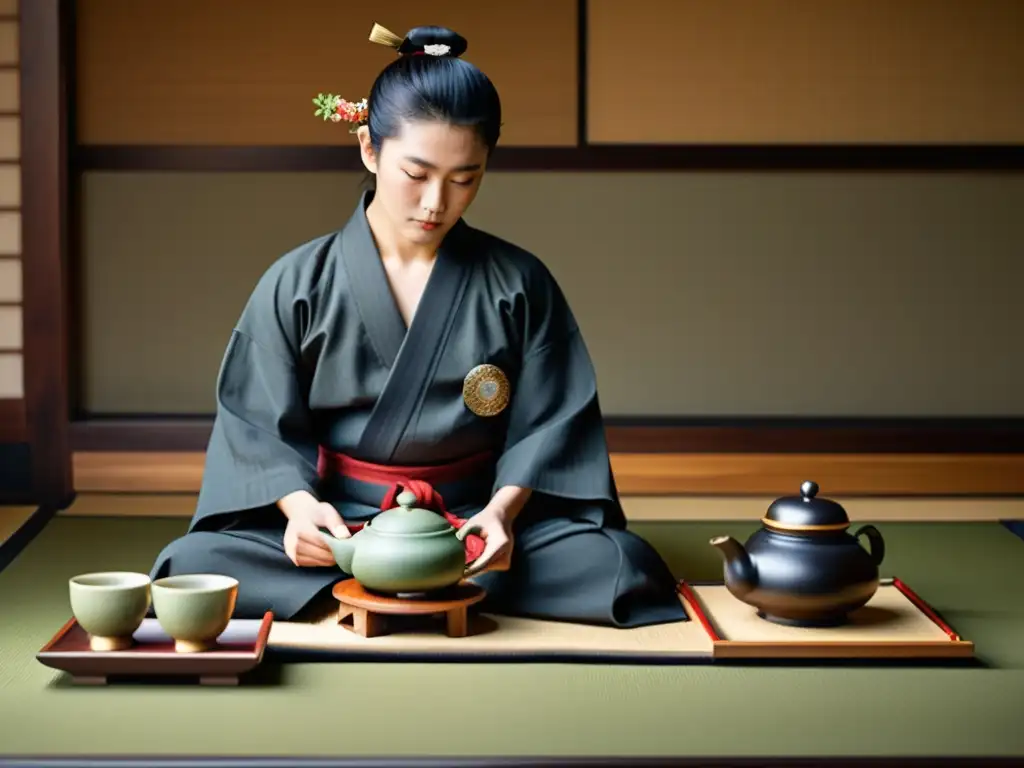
pixel 419 480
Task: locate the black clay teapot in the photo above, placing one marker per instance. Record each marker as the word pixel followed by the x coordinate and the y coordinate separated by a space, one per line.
pixel 802 567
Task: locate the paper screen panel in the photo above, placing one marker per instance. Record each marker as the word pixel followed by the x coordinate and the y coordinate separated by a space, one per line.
pixel 10 233
pixel 10 280
pixel 10 138
pixel 10 90
pixel 10 186
pixel 782 71
pixel 236 72
pixel 11 373
pixel 10 328
pixel 9 42
pixel 710 294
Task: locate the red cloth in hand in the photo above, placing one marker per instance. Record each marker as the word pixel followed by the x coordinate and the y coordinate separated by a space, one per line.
pixel 429 498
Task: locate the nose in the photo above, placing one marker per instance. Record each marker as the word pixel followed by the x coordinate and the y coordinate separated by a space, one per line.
pixel 433 198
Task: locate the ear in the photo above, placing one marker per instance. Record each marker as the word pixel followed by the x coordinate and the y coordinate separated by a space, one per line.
pixel 366 149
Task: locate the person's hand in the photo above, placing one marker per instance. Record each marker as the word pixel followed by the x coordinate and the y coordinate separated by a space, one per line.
pixel 494 525
pixel 303 542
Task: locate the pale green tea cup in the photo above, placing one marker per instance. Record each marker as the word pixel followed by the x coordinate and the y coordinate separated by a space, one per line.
pixel 194 609
pixel 110 606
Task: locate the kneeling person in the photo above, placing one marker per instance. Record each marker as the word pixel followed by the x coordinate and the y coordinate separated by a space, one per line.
pixel 409 348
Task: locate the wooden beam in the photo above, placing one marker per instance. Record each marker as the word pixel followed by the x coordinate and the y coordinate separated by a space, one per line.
pixel 603 158
pixel 651 435
pixel 661 474
pixel 837 474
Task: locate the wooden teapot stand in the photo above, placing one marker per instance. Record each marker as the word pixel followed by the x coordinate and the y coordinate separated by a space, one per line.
pixel 366 613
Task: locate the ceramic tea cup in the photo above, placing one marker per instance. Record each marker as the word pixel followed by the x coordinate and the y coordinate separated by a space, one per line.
pixel 194 609
pixel 110 606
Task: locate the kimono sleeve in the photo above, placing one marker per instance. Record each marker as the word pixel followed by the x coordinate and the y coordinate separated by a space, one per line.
pixel 555 442
pixel 262 446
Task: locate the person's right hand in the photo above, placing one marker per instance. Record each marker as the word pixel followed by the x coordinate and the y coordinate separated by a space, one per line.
pixel 303 542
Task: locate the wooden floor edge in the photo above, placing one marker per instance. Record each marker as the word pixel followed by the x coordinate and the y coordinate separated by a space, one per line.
pixel 28 528
pixel 13 517
pixel 658 474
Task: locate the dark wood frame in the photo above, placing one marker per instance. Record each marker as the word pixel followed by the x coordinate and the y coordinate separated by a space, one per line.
pixel 44 160
pixel 659 435
pixel 587 157
pixel 52 164
pixel 13 421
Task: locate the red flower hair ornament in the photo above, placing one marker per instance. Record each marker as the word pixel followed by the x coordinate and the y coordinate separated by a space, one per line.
pixel 336 109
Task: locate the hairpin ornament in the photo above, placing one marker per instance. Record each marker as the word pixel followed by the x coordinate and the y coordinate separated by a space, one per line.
pixel 337 110
pixel 384 36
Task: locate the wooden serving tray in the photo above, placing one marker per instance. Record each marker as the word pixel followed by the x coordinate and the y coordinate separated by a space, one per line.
pixel 239 649
pixel 896 624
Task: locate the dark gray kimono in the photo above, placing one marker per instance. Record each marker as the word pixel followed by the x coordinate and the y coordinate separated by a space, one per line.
pixel 322 357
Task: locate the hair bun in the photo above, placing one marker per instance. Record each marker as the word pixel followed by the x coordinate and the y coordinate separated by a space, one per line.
pixel 433 41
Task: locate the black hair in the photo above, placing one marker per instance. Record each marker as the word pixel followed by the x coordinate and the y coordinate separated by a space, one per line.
pixel 430 84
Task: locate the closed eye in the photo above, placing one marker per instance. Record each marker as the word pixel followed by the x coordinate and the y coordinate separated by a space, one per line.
pixel 466 183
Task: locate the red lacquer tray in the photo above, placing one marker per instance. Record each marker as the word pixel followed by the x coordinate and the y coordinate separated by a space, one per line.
pixel 239 649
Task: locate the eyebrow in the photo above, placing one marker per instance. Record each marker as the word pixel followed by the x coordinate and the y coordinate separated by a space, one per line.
pixel 425 164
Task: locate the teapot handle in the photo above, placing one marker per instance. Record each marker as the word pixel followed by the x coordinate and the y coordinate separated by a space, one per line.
pixel 875 542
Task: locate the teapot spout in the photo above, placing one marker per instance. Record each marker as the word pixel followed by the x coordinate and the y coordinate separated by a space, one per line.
pixel 740 574
pixel 343 550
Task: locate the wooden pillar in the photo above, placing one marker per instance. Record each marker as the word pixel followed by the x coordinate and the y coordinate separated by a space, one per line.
pixel 44 188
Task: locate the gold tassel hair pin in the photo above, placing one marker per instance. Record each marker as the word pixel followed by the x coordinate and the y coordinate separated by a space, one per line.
pixel 332 107
pixel 384 36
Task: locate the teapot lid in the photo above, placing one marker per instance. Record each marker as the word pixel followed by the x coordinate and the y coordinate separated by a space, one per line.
pixel 409 520
pixel 806 512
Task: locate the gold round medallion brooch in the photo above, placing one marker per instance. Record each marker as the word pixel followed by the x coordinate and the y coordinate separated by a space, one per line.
pixel 486 390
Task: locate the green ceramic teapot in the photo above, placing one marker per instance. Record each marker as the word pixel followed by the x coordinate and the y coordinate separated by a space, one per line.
pixel 403 550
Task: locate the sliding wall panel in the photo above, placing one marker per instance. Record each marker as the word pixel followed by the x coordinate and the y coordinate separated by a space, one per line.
pixel 805 71
pixel 244 72
pixel 711 294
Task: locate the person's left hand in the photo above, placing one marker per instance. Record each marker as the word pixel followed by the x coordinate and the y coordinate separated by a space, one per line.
pixel 494 525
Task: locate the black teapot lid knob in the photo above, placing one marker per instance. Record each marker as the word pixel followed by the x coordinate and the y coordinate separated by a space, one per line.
pixel 806 512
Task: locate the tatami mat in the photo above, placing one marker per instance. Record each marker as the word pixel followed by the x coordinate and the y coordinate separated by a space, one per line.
pixel 972 573
pixel 132 505
pixel 638 508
